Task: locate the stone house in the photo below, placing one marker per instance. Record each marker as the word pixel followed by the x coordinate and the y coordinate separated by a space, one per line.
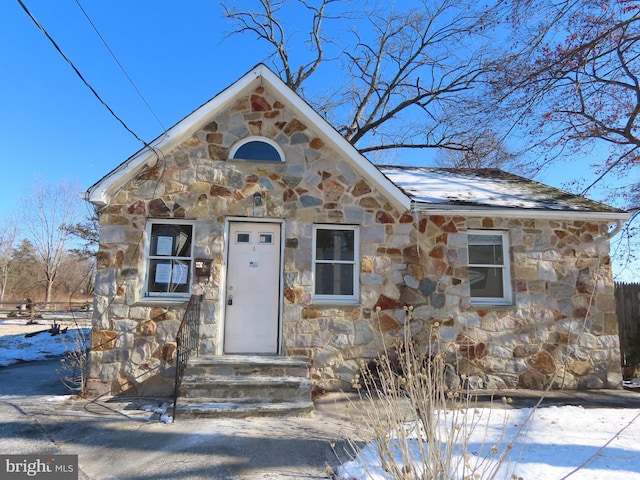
pixel 302 247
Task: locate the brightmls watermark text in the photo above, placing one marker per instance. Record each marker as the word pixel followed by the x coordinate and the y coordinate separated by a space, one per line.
pixel 45 467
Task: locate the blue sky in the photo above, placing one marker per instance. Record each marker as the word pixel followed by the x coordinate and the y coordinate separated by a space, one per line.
pixel 51 125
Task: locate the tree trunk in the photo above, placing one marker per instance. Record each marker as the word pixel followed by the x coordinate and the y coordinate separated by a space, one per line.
pixel 49 289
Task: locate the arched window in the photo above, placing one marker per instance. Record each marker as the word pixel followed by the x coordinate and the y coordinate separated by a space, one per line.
pixel 257 149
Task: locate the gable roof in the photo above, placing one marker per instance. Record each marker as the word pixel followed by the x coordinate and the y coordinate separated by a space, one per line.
pixel 461 191
pixel 102 192
pixel 472 191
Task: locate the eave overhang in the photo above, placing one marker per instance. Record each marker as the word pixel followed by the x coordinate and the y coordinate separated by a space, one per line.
pixel 466 211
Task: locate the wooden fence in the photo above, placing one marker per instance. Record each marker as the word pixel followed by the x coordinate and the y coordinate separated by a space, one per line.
pixel 628 311
pixel 21 308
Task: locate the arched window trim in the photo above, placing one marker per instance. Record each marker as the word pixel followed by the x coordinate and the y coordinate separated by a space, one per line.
pixel 234 149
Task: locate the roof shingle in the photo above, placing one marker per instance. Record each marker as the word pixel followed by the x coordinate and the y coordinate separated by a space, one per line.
pixel 486 187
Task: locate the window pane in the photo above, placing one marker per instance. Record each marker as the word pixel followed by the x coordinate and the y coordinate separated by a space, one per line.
pixel 334 279
pixel 486 250
pixel 486 282
pixel 486 255
pixel 171 240
pixel 335 245
pixel 257 150
pixel 476 239
pixel 169 276
pixel 266 238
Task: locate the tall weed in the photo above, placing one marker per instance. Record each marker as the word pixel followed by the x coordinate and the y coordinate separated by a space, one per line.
pixel 419 416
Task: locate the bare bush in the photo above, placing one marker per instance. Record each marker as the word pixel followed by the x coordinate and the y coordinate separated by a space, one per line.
pixel 419 416
pixel 74 364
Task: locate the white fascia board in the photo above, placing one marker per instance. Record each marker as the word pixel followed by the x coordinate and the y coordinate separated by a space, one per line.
pixel 100 193
pixel 521 213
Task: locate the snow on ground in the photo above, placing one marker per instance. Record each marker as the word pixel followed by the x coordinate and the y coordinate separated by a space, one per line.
pixel 15 347
pixel 555 441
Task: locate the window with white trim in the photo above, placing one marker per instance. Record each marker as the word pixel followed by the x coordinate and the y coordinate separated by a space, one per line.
pixel 489 277
pixel 336 263
pixel 257 149
pixel 169 259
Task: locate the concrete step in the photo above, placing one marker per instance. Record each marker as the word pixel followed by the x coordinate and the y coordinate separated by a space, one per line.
pixel 262 388
pixel 249 365
pixel 210 408
pixel 245 385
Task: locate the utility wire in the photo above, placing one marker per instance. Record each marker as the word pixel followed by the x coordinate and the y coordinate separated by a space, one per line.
pixel 113 55
pixel 87 84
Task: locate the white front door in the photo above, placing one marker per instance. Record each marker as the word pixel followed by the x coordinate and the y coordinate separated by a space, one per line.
pixel 253 288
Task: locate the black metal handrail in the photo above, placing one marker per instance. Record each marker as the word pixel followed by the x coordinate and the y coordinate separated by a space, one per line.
pixel 187 341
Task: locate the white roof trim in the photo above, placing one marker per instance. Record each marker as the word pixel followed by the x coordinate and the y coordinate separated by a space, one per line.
pixel 101 193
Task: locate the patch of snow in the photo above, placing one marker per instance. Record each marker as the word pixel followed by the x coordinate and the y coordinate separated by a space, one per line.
pixel 148 407
pixel 166 418
pixel 18 348
pixel 632 383
pixel 59 398
pixel 438 186
pixel 555 441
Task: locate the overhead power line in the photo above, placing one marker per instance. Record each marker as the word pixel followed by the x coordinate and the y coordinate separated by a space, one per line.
pixel 124 72
pixel 88 85
pixel 75 69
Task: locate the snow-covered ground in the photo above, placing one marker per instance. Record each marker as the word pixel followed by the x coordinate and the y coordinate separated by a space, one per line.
pixel 16 347
pixel 555 441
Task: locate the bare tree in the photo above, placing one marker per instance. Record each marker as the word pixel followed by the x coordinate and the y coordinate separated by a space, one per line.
pixel 8 234
pixel 573 78
pixel 76 276
pixel 47 210
pixel 403 71
pixel 447 75
pixel 416 76
pixel 486 150
pixel 83 256
pixel 570 85
pixel 266 25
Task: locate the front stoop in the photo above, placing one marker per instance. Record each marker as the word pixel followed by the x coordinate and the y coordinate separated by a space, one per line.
pixel 245 385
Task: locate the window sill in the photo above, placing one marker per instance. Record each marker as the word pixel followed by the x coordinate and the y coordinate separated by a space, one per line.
pixel 328 303
pixel 481 305
pixel 161 301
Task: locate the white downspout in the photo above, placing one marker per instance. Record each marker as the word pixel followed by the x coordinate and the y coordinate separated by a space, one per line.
pixel 616 230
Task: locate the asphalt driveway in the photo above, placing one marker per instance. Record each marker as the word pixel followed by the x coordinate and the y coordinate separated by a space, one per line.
pixel 123 439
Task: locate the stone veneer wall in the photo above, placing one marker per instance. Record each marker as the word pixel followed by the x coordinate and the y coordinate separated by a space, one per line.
pixel 563 319
pixel 561 329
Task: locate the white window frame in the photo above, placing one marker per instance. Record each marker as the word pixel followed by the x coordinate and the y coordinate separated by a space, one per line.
pixel 507 294
pixel 355 297
pixel 184 259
